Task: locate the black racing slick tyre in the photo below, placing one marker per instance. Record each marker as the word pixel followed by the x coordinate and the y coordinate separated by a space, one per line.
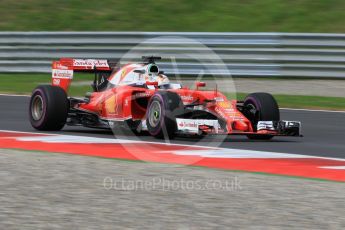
pixel 161 114
pixel 261 107
pixel 48 108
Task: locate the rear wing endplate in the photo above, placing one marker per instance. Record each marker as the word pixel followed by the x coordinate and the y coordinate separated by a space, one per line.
pixel 63 69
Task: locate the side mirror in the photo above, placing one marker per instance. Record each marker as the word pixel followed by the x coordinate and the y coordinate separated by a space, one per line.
pixel 141 71
pixel 200 84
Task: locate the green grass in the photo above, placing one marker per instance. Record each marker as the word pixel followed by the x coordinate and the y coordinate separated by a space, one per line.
pixel 173 15
pixel 309 102
pixel 25 83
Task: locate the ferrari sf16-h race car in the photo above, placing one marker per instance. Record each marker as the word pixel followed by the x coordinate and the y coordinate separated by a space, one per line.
pixel 140 97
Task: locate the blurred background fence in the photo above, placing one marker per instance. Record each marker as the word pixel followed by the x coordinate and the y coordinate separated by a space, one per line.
pixel 244 54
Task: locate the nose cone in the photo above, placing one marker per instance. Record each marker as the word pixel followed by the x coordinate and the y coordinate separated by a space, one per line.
pixel 240 125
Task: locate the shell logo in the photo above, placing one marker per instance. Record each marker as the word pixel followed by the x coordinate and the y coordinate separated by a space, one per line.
pixel 110 105
pixel 224 104
pixel 123 74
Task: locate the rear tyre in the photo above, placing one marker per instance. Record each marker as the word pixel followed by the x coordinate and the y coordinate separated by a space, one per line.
pixel 261 107
pixel 161 114
pixel 48 108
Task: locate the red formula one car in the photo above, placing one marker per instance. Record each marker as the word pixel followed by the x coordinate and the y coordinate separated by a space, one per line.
pixel 141 97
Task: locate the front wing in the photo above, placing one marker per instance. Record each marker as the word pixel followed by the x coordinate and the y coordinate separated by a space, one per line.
pixel 204 126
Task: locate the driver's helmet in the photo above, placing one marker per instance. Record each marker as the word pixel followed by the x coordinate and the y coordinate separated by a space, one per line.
pixel 162 79
pixel 150 76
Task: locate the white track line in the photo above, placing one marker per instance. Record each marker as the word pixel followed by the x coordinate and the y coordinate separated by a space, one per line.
pixel 215 151
pixel 14 95
pixel 134 141
pixel 314 110
pixel 333 167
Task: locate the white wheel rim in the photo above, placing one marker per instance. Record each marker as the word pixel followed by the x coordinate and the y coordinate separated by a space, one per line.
pixel 155 113
pixel 37 107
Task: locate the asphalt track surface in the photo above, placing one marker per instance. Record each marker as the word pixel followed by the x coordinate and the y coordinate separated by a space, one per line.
pixel 323 131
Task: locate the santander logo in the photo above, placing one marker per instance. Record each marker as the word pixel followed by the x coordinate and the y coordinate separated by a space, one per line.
pixel 60 73
pixel 191 124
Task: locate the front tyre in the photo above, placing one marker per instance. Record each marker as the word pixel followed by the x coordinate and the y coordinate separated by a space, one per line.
pixel 261 107
pixel 161 114
pixel 48 108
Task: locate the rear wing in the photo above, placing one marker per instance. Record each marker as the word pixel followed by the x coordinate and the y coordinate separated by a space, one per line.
pixel 63 69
